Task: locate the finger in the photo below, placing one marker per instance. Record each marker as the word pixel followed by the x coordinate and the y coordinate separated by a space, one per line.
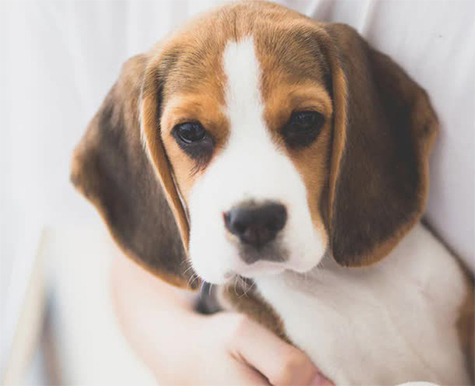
pixel 236 373
pixel 247 376
pixel 281 363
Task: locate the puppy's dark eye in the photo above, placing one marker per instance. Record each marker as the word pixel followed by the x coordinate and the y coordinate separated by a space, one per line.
pixel 189 132
pixel 195 141
pixel 303 128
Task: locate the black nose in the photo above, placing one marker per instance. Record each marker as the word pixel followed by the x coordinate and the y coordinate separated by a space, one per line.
pixel 256 224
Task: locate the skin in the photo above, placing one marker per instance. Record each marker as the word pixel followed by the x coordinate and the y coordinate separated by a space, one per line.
pixel 225 348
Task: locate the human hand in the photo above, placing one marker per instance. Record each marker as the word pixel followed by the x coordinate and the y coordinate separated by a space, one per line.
pixel 229 348
pixel 182 347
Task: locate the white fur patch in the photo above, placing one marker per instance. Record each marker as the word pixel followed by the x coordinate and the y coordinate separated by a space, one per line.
pixel 381 325
pixel 249 168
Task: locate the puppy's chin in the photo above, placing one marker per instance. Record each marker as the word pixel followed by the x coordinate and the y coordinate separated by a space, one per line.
pixel 260 268
pixel 219 274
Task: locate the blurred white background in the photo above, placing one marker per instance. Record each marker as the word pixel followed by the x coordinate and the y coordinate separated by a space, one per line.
pixel 58 60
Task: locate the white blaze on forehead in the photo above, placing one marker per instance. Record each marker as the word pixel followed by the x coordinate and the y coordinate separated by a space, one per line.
pixel 249 146
pixel 243 97
pixel 250 167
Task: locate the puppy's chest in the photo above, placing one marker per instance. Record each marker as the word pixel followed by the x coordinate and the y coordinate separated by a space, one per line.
pixel 378 326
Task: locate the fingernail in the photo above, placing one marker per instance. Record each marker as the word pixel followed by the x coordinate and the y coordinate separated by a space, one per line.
pixel 320 380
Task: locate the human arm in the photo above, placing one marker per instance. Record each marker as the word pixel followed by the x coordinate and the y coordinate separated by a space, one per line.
pixel 182 347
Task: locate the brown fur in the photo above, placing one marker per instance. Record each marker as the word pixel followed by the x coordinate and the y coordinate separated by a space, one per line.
pixel 112 170
pixel 366 175
pixel 312 161
pixel 243 299
pixel 388 128
pixel 377 173
pixel 381 182
pixel 189 108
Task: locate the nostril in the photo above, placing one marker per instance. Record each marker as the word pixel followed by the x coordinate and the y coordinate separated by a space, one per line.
pixel 229 221
pixel 239 227
pixel 233 224
pixel 279 218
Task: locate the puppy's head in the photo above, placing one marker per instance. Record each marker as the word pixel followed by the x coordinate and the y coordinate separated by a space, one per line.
pixel 271 138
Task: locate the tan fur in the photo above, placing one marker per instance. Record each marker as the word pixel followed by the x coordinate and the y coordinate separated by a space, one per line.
pixel 306 65
pixel 358 127
pixel 241 298
pixel 311 162
pixel 289 66
pixel 195 107
pixel 291 83
pixel 160 161
pixel 107 165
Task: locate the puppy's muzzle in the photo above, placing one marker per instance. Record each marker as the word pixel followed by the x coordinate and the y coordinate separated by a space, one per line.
pixel 256 225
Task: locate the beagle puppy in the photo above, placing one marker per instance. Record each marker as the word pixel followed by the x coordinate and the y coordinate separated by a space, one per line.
pixel 257 143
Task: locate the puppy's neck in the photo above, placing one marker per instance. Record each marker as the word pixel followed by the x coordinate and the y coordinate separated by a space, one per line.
pixel 408 302
pixel 418 258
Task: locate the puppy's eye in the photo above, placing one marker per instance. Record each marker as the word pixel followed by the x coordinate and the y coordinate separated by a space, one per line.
pixel 189 132
pixel 303 128
pixel 195 141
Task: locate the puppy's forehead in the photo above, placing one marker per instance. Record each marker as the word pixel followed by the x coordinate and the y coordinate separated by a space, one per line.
pixel 243 73
pixel 286 48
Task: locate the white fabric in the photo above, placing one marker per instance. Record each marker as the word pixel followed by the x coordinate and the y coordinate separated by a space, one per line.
pixel 91 347
pixel 59 59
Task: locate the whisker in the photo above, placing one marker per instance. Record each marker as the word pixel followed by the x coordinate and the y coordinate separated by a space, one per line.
pixel 244 284
pixel 192 279
pixel 252 285
pixel 248 289
pixel 189 280
pixel 235 281
pixel 196 278
pixel 239 282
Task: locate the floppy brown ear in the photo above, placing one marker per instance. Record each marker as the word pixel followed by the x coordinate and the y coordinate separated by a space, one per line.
pixel 384 129
pixel 111 168
pixel 150 120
